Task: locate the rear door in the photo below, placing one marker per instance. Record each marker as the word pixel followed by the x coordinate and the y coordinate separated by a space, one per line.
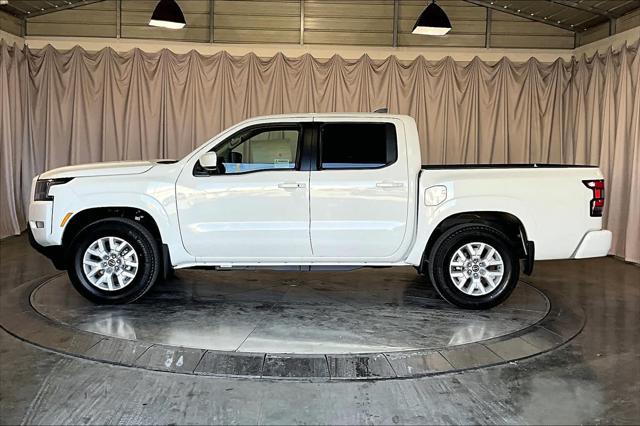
pixel 359 192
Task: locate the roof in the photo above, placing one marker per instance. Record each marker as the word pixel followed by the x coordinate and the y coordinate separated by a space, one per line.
pixel 332 115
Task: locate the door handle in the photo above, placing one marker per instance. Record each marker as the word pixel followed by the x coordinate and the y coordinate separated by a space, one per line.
pixel 292 185
pixel 389 185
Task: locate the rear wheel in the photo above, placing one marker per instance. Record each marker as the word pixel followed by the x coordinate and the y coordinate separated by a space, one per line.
pixel 474 266
pixel 114 261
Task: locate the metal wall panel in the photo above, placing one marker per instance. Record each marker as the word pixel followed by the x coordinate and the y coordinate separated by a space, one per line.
pixel 450 40
pixel 10 24
pixel 509 31
pixel 623 23
pixel 70 30
pixel 628 21
pixel 92 20
pixel 594 34
pixel 256 21
pixel 78 16
pixel 338 22
pixel 531 42
pixel 187 6
pixel 255 36
pixel 526 28
pixel 348 22
pixel 348 38
pixel 145 31
pixel 258 7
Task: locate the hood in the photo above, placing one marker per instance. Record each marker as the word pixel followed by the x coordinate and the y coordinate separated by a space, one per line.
pixel 99 169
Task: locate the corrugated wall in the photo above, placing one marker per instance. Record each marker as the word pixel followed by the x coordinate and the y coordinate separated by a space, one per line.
pixel 514 31
pixel 330 22
pixel 624 23
pixel 10 23
pixel 256 21
pixel 92 20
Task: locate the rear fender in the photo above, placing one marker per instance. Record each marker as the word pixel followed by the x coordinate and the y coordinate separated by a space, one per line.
pixel 430 217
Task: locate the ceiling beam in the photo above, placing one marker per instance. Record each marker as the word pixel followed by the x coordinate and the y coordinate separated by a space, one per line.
pixel 585 8
pixel 8 7
pixel 58 9
pixel 396 10
pixel 487 29
pixel 118 18
pixel 301 40
pixel 511 11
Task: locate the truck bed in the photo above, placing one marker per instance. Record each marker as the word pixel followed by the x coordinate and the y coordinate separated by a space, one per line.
pixel 502 166
pixel 550 200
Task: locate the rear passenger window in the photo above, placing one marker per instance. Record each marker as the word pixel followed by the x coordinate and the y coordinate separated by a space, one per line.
pixel 357 145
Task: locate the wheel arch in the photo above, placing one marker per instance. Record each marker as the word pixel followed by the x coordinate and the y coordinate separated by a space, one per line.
pixel 507 223
pixel 84 218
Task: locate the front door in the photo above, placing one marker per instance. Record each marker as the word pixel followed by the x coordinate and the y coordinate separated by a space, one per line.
pixel 255 206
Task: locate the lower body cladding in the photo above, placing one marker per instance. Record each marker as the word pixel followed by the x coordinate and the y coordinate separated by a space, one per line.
pixel 291 268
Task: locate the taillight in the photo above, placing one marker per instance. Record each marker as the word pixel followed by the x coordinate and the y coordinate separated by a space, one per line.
pixel 597 202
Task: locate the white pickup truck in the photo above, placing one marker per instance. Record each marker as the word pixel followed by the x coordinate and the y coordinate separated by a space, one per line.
pixel 315 192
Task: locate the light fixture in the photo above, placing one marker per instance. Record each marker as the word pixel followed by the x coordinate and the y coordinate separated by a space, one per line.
pixel 3 2
pixel 432 21
pixel 167 14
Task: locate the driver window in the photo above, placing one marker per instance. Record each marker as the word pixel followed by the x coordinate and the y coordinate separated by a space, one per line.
pixel 259 149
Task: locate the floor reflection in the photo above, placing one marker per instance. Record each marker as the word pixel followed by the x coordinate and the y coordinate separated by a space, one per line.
pixel 471 333
pixel 112 325
pixel 368 310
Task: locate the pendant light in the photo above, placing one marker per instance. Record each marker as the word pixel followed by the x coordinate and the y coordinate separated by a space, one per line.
pixel 432 21
pixel 167 14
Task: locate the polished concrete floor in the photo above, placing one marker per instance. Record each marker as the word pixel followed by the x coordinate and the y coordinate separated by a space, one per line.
pixel 595 378
pixel 388 310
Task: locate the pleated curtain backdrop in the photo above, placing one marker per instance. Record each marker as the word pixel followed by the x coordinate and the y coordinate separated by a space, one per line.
pixel 60 108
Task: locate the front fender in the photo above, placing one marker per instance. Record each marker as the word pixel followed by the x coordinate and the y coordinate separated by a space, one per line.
pixel 142 202
pixel 163 213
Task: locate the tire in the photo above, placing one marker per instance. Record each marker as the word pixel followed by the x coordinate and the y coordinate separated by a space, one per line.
pixel 490 281
pixel 122 287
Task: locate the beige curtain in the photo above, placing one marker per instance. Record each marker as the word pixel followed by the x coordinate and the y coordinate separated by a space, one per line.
pixel 72 107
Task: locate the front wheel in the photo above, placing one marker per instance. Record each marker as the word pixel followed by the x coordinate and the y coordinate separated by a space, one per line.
pixel 474 266
pixel 114 261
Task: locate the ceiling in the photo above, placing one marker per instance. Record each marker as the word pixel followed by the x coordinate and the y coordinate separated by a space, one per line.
pixel 29 8
pixel 573 15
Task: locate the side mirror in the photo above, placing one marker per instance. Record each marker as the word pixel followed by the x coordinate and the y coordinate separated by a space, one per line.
pixel 209 161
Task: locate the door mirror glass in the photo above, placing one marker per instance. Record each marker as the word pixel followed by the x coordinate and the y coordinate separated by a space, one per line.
pixel 209 161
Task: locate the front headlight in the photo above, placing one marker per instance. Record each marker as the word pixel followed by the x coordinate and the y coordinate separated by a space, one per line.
pixel 43 186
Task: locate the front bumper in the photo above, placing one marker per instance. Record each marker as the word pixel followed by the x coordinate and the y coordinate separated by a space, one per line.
pixel 54 253
pixel 594 244
pixel 41 212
